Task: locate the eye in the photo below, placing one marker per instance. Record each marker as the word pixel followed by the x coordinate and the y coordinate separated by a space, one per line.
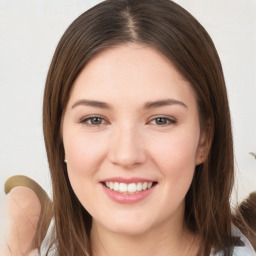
pixel 162 121
pixel 93 121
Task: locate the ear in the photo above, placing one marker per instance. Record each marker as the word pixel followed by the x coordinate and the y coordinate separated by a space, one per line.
pixel 204 143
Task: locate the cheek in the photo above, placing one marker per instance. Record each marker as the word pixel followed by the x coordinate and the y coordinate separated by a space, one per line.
pixel 175 148
pixel 84 157
pixel 176 157
pixel 83 153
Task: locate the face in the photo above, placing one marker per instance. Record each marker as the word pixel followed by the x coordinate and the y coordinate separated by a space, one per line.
pixel 132 139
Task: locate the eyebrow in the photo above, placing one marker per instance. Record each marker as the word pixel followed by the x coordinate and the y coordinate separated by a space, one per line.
pixel 92 103
pixel 161 103
pixel 147 105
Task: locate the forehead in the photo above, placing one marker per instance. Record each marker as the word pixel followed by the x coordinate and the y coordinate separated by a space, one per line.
pixel 134 57
pixel 130 71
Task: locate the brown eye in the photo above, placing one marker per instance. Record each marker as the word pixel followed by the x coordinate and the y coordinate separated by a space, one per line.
pixel 161 121
pixel 94 121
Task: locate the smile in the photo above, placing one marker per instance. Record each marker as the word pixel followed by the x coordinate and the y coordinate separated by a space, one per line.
pixel 130 188
pixel 125 191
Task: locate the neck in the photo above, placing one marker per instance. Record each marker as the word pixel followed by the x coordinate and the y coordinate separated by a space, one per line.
pixel 160 241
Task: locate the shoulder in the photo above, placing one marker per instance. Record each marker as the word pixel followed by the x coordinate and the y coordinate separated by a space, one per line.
pixel 244 249
pixel 48 246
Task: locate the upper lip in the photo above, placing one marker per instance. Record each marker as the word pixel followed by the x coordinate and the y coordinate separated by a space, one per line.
pixel 127 180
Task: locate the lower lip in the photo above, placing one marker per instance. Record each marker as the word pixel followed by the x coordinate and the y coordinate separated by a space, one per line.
pixel 127 198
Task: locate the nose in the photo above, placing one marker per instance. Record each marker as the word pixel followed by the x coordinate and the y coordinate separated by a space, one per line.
pixel 127 148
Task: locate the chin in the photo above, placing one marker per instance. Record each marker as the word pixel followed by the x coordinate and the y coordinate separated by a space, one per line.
pixel 127 224
pixel 129 229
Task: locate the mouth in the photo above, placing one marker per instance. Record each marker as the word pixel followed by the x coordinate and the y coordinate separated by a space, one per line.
pixel 129 188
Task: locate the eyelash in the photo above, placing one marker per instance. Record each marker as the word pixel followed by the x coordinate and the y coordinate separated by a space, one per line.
pixel 167 120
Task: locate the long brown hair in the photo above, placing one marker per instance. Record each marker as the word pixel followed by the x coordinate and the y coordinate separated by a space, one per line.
pixel 174 32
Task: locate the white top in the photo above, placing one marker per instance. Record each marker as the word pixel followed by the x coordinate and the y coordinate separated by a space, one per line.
pixel 246 250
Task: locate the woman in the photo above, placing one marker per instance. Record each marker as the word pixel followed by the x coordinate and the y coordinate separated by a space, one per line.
pixel 138 136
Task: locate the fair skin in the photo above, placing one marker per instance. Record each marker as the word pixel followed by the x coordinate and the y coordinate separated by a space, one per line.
pixel 23 211
pixel 132 119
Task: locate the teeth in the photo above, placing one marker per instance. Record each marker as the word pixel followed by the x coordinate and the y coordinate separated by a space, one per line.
pixel 145 186
pixel 116 186
pixel 123 188
pixel 150 184
pixel 139 186
pixel 130 188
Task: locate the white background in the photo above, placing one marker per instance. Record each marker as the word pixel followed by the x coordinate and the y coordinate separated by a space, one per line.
pixel 29 33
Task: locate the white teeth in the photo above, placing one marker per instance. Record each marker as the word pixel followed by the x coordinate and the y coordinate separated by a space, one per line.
pixel 139 186
pixel 145 186
pixel 123 188
pixel 116 186
pixel 130 188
